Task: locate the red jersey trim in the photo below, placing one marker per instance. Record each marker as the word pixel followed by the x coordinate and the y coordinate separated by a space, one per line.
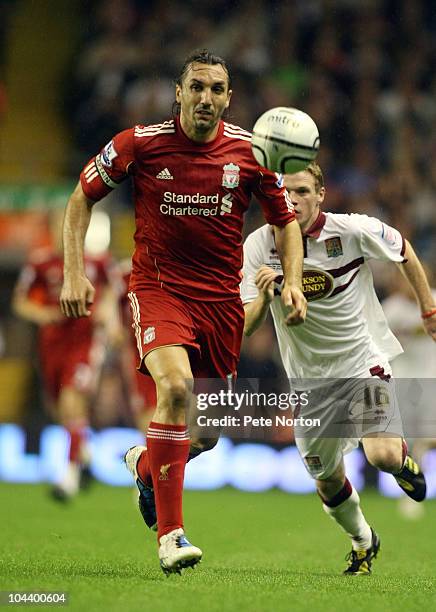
pixel 316 227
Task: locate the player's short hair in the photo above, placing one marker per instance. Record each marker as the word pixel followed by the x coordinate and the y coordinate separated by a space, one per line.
pixel 317 174
pixel 203 56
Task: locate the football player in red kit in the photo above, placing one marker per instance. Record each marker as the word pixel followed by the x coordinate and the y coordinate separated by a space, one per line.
pixel 71 351
pixel 193 178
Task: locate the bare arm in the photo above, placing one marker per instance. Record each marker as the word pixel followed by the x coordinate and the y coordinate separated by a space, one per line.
pixel 256 311
pixel 290 248
pixel 414 273
pixel 36 313
pixel 77 292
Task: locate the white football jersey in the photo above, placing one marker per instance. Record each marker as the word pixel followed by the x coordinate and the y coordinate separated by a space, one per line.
pixel 345 333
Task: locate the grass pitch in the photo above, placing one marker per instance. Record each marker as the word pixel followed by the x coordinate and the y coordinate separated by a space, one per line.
pixel 262 551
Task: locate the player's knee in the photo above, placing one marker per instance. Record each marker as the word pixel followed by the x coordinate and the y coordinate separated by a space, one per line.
pixel 71 407
pixel 173 391
pixel 386 459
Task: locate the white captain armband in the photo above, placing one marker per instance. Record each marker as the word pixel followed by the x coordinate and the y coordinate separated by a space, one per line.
pixel 103 174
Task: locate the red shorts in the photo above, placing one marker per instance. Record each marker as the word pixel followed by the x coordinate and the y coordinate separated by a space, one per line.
pixel 211 331
pixel 71 361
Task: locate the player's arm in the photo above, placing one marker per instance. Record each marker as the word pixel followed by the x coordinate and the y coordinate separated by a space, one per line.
pixel 278 211
pixel 289 245
pixel 28 309
pixel 77 291
pixel 413 271
pixel 256 310
pixel 25 306
pixel 102 174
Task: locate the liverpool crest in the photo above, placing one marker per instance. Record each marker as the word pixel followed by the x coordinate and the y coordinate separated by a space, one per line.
pixel 149 335
pixel 164 471
pixel 230 176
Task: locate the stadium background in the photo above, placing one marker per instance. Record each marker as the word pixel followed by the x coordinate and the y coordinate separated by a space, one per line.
pixel 72 74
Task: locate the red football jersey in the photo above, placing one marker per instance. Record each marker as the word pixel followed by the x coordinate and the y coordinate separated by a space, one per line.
pixel 190 199
pixel 41 279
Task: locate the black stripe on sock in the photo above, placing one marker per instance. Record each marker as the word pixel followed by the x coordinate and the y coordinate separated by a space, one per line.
pixel 340 497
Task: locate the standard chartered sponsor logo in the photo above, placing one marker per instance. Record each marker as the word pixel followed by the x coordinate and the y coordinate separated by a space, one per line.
pixel 226 204
pixel 186 198
pixel 171 199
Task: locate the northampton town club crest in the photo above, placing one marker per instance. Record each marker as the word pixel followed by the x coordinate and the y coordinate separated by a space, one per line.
pixel 230 176
pixel 334 247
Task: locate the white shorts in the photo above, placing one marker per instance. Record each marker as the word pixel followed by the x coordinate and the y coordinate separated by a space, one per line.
pixel 348 410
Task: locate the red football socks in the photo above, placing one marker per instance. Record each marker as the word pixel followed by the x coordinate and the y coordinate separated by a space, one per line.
pixel 77 439
pixel 167 450
pixel 143 469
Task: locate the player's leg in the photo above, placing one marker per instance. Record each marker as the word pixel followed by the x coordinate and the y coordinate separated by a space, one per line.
pixel 418 447
pixel 137 461
pixel 72 414
pixel 146 390
pixel 167 452
pixel 67 400
pixel 161 321
pixel 342 503
pixel 323 459
pixel 221 326
pixel 389 454
pixel 167 449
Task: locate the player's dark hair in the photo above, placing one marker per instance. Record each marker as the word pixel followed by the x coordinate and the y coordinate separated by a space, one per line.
pixel 203 56
pixel 200 56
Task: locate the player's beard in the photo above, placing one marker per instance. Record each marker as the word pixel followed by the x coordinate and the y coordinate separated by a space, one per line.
pixel 205 124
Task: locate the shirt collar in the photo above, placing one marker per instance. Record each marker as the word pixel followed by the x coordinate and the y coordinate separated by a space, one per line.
pixel 316 227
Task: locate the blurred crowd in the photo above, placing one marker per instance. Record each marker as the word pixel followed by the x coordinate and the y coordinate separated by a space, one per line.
pixel 365 71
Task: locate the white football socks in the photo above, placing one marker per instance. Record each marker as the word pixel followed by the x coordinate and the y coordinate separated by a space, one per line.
pixel 350 517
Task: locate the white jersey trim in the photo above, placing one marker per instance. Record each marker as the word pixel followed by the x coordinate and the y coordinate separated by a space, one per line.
pixel 167 127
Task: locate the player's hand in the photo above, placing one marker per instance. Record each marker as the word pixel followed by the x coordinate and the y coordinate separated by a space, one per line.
pixel 265 282
pixel 295 301
pixel 430 326
pixel 76 296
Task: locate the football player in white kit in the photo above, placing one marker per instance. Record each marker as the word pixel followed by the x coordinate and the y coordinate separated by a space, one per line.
pixel 417 363
pixel 342 352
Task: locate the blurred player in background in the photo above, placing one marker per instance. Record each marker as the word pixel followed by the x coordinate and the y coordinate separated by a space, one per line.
pixel 70 351
pixel 194 177
pixel 418 361
pixel 345 338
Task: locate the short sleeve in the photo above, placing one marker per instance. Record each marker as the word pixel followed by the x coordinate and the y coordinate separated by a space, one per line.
pixel 273 198
pixel 252 262
pixel 110 167
pixel 378 240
